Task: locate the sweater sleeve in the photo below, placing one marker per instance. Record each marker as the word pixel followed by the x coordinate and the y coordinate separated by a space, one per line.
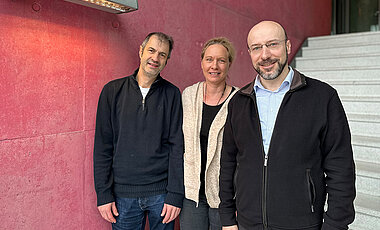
pixel 227 206
pixel 175 186
pixel 103 149
pixel 339 168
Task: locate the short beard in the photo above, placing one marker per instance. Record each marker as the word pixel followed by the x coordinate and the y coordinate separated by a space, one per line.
pixel 148 74
pixel 276 73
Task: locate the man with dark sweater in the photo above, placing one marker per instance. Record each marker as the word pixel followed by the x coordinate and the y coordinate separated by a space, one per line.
pixel 138 149
pixel 286 148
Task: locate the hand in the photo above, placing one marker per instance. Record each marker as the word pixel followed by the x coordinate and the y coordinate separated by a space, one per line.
pixel 108 211
pixel 170 212
pixel 233 227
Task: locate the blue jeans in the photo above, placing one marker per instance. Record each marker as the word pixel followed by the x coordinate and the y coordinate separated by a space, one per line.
pixel 199 218
pixel 133 211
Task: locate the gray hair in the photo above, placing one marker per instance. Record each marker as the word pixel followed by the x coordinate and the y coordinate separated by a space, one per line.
pixel 162 37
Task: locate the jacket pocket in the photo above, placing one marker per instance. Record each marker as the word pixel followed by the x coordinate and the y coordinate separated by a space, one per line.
pixel 310 189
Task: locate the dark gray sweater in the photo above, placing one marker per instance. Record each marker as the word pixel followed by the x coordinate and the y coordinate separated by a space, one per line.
pixel 138 149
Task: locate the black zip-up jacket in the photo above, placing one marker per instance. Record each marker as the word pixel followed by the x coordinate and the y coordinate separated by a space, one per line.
pixel 138 149
pixel 310 155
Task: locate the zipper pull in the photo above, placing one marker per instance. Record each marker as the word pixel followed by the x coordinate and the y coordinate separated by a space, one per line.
pixel 143 104
pixel 312 208
pixel 266 160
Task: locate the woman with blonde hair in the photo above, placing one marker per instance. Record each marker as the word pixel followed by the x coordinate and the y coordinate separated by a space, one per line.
pixel 204 114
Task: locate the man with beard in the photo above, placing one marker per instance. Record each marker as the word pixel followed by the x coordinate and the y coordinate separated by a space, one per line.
pixel 286 147
pixel 138 149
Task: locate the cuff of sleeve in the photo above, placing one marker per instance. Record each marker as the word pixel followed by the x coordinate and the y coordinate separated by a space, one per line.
pixel 174 199
pixel 228 219
pixel 105 199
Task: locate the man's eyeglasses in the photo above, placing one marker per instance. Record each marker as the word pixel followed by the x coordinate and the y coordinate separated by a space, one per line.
pixel 272 45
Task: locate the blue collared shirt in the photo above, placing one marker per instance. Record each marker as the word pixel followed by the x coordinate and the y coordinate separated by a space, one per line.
pixel 268 103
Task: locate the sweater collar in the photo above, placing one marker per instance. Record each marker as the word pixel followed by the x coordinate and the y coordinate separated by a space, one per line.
pixel 134 77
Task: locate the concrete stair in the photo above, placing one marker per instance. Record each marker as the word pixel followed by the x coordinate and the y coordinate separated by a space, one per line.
pixel 364 123
pixel 370 48
pixel 368 178
pixel 341 62
pixel 349 73
pixel 351 64
pixel 366 148
pixel 367 211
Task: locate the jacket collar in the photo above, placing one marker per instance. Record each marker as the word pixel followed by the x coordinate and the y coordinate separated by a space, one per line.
pixel 298 82
pixel 134 77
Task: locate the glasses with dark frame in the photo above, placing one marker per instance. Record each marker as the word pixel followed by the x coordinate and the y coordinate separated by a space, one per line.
pixel 272 45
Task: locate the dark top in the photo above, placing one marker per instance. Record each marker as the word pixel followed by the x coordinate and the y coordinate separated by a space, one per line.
pixel 208 114
pixel 138 149
pixel 310 155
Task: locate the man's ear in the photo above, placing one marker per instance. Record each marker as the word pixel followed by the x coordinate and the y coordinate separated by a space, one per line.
pixel 140 51
pixel 289 46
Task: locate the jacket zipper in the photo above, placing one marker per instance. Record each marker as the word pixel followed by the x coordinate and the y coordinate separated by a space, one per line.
pixel 266 160
pixel 265 185
pixel 265 172
pixel 143 104
pixel 143 100
pixel 265 168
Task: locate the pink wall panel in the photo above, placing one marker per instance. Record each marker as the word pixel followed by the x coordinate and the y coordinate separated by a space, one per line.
pixel 241 71
pixel 56 56
pixel 41 87
pixel 42 182
pixel 91 220
pixel 189 35
pixel 66 169
pixel 22 164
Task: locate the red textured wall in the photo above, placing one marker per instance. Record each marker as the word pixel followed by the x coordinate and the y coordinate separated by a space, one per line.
pixel 56 56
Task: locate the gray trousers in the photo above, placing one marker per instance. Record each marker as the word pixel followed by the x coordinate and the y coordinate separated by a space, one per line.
pixel 199 218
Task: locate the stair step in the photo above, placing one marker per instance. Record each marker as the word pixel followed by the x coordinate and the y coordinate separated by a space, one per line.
pixel 364 117
pixel 364 128
pixel 361 104
pixel 363 152
pixel 371 123
pixel 367 204
pixel 365 222
pixel 366 148
pixel 336 40
pixel 337 51
pixel 368 141
pixel 351 64
pixel 369 169
pixel 355 82
pixel 367 210
pixel 355 87
pixel 346 73
pixel 375 99
pixel 343 61
pixel 368 178
pixel 364 123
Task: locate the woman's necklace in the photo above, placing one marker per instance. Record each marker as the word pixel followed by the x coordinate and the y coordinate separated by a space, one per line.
pixel 205 92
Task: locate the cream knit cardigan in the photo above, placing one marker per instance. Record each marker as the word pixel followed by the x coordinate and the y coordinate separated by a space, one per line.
pixel 192 99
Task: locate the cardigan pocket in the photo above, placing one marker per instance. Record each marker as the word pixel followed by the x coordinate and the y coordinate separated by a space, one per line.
pixel 310 189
